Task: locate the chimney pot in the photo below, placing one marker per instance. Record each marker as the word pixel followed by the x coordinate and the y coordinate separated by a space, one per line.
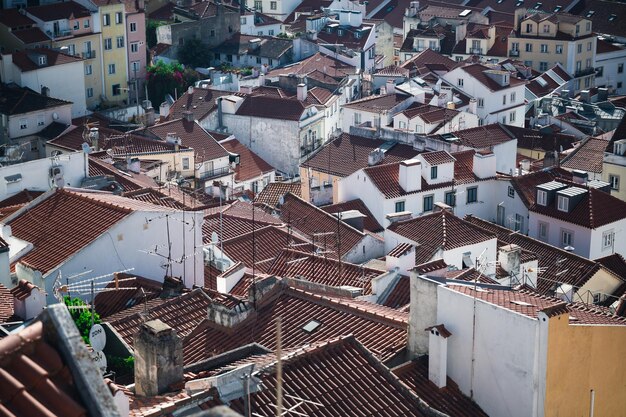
pixel 302 92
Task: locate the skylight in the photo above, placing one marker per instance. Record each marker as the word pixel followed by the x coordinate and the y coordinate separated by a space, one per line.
pixel 590 13
pixel 612 17
pixel 557 8
pixel 311 326
pixel 538 6
pixel 521 303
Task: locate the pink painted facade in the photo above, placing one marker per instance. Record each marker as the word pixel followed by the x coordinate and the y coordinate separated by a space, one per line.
pixel 136 38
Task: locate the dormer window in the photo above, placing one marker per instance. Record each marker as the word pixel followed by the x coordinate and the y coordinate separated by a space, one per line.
pixel 563 203
pixel 339 32
pixel 542 198
pixel 42 60
pixel 433 173
pixel 619 148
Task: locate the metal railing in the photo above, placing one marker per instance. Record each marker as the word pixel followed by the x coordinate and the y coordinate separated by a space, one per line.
pixel 88 54
pixel 476 51
pixel 513 53
pixel 585 71
pixel 218 172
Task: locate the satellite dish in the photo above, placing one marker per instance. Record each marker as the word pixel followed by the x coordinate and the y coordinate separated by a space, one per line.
pixel 281 200
pixel 86 148
pixel 214 237
pixel 100 360
pixel 55 116
pixel 97 337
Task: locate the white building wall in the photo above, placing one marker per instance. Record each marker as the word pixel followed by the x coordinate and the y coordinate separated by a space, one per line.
pixel 369 247
pixel 125 245
pixel 511 206
pixel 610 77
pixel 581 239
pixel 503 348
pixel 38 120
pixel 249 28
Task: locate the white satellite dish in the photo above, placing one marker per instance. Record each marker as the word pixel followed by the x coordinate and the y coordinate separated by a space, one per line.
pixel 97 337
pixel 214 237
pixel 55 116
pixel 100 360
pixel 281 200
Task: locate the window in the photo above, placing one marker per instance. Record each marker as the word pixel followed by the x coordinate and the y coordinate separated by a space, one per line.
pixel 620 68
pixel 619 84
pixel 544 48
pixel 450 198
pixel 579 48
pixel 41 120
pixel 89 92
pixel 579 65
pixel 111 68
pixel 460 82
pixel 546 28
pixel 134 47
pixel 519 223
pixel 88 69
pixel 529 28
pixel 529 47
pixel 120 41
pixel 116 89
pixel 185 163
pixel 108 44
pixel 106 20
pixel 515 46
pixel 504 99
pixel 428 203
pixel 607 239
pixel 136 67
pixel 119 18
pixel 588 26
pixel 272 5
pixel 614 181
pixel 357 118
pixel 563 203
pixel 542 198
pixel 133 27
pixel 567 237
pixel 543 66
pixel 399 206
pixel 511 117
pixel 258 5
pixel 511 192
pixel 23 124
pixel 433 173
pixel 577 29
pixel 212 33
pixel 543 230
pixel 243 21
pixel 71 49
pixel 472 195
pixel 76 25
pixel 86 23
pixel 270 62
pixel 589 46
pixel 270 32
pixel 559 49
pixel 481 102
pixel 587 82
pixel 512 97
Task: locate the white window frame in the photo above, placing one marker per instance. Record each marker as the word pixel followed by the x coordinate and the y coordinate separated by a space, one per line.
pixel 608 239
pixel 23 124
pixel 542 197
pixel 614 181
pixel 567 237
pixel 562 203
pixel 106 19
pixel 133 26
pixel 543 230
pixel 88 69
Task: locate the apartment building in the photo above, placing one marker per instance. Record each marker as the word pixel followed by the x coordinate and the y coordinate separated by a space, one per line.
pixel 136 48
pixel 542 40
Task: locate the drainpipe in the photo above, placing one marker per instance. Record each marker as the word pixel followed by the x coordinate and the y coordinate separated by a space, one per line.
pixel 220 123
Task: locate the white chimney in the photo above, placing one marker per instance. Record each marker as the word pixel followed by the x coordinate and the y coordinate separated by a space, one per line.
pixel 391 87
pixel 473 106
pixel 344 17
pixel 509 259
pixel 302 92
pixel 356 18
pixel 438 354
pixel 401 257
pixel 261 79
pixel 164 109
pixel 484 164
pixel 227 280
pixel 28 300
pixel 190 89
pixel 133 165
pixel 450 105
pixel 410 175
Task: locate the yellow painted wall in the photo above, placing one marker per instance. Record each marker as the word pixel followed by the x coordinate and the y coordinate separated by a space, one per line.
pixel 316 177
pixel 620 171
pixel 531 153
pixel 582 358
pixel 116 55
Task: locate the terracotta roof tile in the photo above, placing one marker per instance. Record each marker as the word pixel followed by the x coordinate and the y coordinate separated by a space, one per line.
pixel 250 164
pixel 13 19
pixel 381 330
pixel 26 60
pixel 23 289
pixel 6 304
pixel 369 222
pixel 588 156
pixel 23 197
pixel 472 275
pixel 478 72
pixel 449 400
pixel 615 263
pixel 349 153
pixel 525 185
pixel 484 136
pixel 201 102
pixel 377 103
pixel 427 267
pixel 59 11
pixel 30 35
pixel 400 295
pixel 318 62
pixel 231 226
pixel 129 181
pixel 129 294
pixel 272 108
pixel 271 192
pixel 393 70
pixel 437 157
pixel 16 100
pixel 429 113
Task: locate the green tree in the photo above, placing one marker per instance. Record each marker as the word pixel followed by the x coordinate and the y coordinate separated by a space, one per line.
pixel 81 316
pixel 163 79
pixel 151 27
pixel 194 54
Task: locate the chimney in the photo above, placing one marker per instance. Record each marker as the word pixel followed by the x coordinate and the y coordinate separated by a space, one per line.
pixel 410 175
pixel 585 96
pixel 302 92
pixel 401 257
pixel 190 89
pixel 398 216
pixel 254 44
pixel 450 105
pixel 188 115
pixel 473 106
pixel 564 93
pixel 422 312
pixel 227 280
pixel 133 165
pixel 438 354
pixel 353 218
pixel 461 32
pixel 484 164
pixel 603 94
pixel 579 176
pixel 503 78
pixel 391 87
pixel 247 89
pixel 28 300
pixel 150 116
pixel 164 109
pixel 509 259
pixel 158 359
pixel 261 79
pixel 94 137
pixel 375 157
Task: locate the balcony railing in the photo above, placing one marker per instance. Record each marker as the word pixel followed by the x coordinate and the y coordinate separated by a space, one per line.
pixel 88 54
pixel 59 33
pixel 218 172
pixel 513 53
pixel 476 51
pixel 585 71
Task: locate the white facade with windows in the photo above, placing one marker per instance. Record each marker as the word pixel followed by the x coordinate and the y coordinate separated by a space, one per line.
pixel 610 69
pixel 249 27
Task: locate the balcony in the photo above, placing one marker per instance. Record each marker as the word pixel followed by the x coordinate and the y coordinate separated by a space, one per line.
pixel 583 72
pixel 513 53
pixel 88 54
pixel 57 34
pixel 476 51
pixel 218 172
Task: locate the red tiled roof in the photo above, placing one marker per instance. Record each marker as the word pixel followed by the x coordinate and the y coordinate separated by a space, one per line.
pixel 381 330
pixel 580 269
pixel 6 304
pixel 349 153
pixel 529 303
pixel 369 222
pixel 272 108
pixel 272 192
pixel 15 100
pixel 400 250
pixel 23 197
pixel 400 296
pixel 34 377
pixel 615 263
pixel 348 39
pixel 534 139
pixel 130 181
pixel 377 103
pixel 193 136
pixel 201 102
pixel 296 263
pixel 472 275
pixel 61 225
pixel 478 72
pixel 22 59
pixel 525 184
pixel 318 62
pixel 12 18
pixel 30 35
pixel 231 226
pixel 484 136
pixel 449 399
pixel 430 114
pixel 422 61
pixel 22 290
pixel 588 156
pixel 310 220
pixel 392 70
pixel 250 165
pixel 441 230
pixel 58 11
pixel 437 157
pixel 431 266
pixel 129 294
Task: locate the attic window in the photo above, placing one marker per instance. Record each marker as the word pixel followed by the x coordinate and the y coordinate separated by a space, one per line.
pixel 520 303
pixel 557 8
pixel 538 6
pixel 591 13
pixel 42 60
pixel 563 203
pixel 519 3
pixel 311 326
pixel 339 32
pixel 10 179
pixel 612 17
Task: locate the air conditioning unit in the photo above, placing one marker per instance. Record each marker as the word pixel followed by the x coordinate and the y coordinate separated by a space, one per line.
pixel 56 171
